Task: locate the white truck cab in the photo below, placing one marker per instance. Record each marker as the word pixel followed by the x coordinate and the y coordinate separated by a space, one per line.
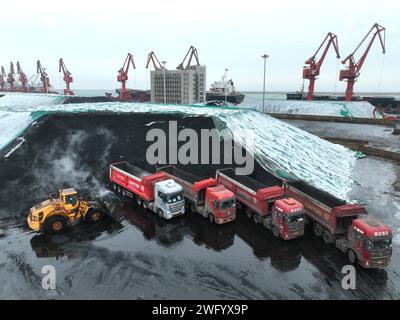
pixel 168 199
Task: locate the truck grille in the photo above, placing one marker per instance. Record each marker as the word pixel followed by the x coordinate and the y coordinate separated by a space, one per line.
pixel 176 207
pixel 379 255
pixel 296 226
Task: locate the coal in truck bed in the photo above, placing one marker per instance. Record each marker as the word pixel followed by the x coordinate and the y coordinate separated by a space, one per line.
pixel 184 175
pixel 251 183
pixel 132 170
pixel 322 197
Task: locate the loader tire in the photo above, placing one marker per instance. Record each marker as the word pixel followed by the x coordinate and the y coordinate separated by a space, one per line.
pixel 94 216
pixel 55 224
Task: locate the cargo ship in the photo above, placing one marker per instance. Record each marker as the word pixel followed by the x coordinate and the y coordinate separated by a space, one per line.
pixel 224 91
pixel 389 104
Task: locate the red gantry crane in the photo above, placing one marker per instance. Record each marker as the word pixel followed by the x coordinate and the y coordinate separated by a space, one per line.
pixel 11 78
pixel 3 78
pixel 22 78
pixel 123 77
pixel 67 78
pixel 352 72
pixel 312 71
pixel 151 57
pixel 43 77
pixel 192 52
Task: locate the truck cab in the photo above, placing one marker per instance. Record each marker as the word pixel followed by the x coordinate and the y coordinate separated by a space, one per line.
pixel 168 199
pixel 368 242
pixel 287 218
pixel 220 203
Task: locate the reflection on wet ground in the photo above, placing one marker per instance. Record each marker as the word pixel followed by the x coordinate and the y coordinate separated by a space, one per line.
pixel 185 254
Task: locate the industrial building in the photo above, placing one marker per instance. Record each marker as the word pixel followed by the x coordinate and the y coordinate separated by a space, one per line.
pixel 186 86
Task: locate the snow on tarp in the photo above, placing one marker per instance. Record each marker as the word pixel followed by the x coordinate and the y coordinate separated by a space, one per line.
pixel 16 100
pixel 278 147
pixel 12 124
pixel 359 109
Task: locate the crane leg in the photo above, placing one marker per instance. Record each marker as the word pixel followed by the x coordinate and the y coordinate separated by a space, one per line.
pixel 349 90
pixel 310 94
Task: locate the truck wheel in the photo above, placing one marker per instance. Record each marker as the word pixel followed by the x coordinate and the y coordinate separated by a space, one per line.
pixel 212 218
pixel 275 231
pixel 160 213
pixel 351 256
pixel 317 229
pixel 328 238
pixel 249 213
pixel 144 204
pixel 55 224
pixel 114 187
pixel 93 216
pixel 119 189
pixel 124 192
pixel 139 201
pixel 257 219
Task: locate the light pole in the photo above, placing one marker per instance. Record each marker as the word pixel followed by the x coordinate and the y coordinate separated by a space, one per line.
pixel 165 94
pixel 226 79
pixel 265 56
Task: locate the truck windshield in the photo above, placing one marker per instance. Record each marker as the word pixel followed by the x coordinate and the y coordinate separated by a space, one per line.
pixel 378 244
pixel 227 204
pixel 175 197
pixel 294 218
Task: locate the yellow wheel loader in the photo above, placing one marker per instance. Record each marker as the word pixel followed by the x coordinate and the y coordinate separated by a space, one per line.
pixel 58 212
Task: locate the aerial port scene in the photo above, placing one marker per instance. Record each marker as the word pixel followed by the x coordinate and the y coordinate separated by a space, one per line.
pixel 200 151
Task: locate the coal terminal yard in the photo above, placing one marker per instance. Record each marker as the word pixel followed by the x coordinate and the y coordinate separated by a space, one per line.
pixel 135 254
pixel 260 161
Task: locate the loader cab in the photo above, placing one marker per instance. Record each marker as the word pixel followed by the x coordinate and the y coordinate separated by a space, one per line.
pixel 69 199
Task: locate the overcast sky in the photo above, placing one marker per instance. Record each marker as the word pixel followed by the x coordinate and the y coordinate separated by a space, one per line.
pixel 94 37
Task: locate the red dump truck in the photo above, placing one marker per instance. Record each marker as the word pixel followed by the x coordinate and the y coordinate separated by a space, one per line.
pixel 364 240
pixel 155 192
pixel 204 196
pixel 264 203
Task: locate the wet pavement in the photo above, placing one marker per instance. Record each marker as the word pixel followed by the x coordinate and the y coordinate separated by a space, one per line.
pixel 137 255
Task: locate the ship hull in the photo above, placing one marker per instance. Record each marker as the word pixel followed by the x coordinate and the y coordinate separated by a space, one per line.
pixel 235 99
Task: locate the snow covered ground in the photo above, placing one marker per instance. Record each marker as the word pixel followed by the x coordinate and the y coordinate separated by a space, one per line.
pixel 277 146
pixel 323 108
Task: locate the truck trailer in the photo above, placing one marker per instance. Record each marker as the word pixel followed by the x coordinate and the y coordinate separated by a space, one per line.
pixel 265 204
pixel 204 196
pixel 155 192
pixel 364 240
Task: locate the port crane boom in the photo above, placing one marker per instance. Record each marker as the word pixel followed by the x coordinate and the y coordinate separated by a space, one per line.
pixel 192 52
pixel 312 71
pixel 43 77
pixel 123 77
pixel 352 72
pixel 2 78
pixel 67 77
pixel 22 77
pixel 11 78
pixel 154 60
